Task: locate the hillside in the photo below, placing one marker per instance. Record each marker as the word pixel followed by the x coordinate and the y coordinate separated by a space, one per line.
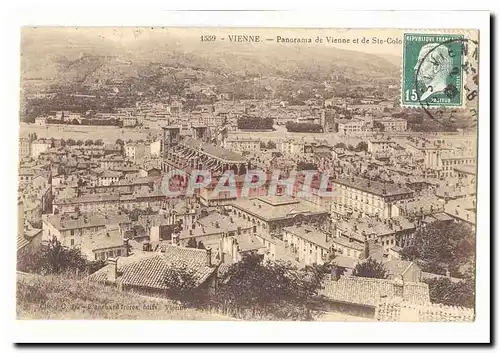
pixel 64 57
pixel 57 298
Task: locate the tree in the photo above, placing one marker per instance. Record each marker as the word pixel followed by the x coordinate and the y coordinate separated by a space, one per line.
pixel 70 142
pixel 81 183
pixel 119 142
pixel 255 123
pixel 192 243
pixel 442 245
pixel 254 283
pixel 370 268
pixel 362 146
pixel 379 126
pixel 89 142
pixel 444 291
pixel 99 142
pixel 180 283
pixel 410 253
pixel 302 165
pixel 271 145
pixel 60 170
pixel 200 245
pixel 54 258
pixel 303 127
pixel 340 145
pixel 136 212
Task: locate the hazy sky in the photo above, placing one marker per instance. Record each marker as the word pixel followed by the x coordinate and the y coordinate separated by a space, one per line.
pixel 191 36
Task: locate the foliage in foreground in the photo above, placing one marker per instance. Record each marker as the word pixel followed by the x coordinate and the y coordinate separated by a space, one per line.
pixel 370 268
pixel 268 290
pixel 253 281
pixel 444 291
pixel 274 288
pixel 303 127
pixel 54 258
pixel 442 246
pixel 56 297
pixel 181 284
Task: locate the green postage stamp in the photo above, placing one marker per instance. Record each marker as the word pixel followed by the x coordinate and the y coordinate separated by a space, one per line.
pixel 432 70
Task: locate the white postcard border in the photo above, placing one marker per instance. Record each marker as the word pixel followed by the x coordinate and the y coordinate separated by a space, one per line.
pixel 286 332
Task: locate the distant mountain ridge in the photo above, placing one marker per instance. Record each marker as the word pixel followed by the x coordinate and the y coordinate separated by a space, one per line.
pixel 81 58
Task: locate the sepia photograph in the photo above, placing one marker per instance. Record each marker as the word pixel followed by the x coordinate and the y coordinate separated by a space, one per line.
pixel 248 174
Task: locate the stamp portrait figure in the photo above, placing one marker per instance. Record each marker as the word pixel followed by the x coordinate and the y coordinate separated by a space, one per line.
pixel 435 66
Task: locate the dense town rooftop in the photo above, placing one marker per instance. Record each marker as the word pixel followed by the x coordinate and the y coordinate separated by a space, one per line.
pixel 272 208
pixel 214 151
pixel 373 187
pixel 85 220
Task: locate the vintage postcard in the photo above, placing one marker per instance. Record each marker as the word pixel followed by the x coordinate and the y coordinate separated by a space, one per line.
pixel 255 174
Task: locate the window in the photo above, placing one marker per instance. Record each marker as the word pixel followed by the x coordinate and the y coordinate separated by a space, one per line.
pixel 72 242
pixel 72 232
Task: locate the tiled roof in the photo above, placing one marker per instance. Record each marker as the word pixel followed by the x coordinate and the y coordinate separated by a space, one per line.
pixel 346 242
pixel 90 198
pixel 344 261
pixel 214 150
pixel 373 187
pixel 463 209
pixel 395 310
pixel 150 271
pixel 103 239
pixel 369 291
pixel 442 217
pixel 155 220
pixel 224 221
pixel 248 242
pixel 21 241
pixel 468 169
pixel 355 227
pixel 110 174
pixel 311 235
pixel 276 208
pixel 397 267
pixel 85 220
pixel 425 204
pixel 214 224
pixel 376 251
